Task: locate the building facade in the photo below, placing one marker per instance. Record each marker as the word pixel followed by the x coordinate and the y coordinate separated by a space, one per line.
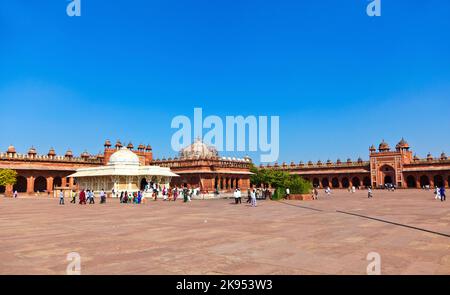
pixel 198 166
pixel 385 166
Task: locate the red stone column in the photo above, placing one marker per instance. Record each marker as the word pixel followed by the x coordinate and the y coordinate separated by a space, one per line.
pixel 446 183
pixel 49 184
pixel 71 181
pixel 431 177
pixel 30 185
pixel 9 190
pixel 245 184
pixel 64 181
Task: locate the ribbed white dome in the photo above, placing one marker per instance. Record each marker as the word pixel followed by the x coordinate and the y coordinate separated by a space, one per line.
pixel 198 149
pixel 124 156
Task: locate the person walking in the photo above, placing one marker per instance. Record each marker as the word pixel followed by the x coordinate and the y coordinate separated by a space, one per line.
pixel 316 193
pixel 73 194
pixel 443 197
pixel 175 193
pixel 369 193
pixel 235 195
pixel 15 194
pixel 253 197
pixel 102 197
pixel 288 193
pixel 61 197
pixel 83 197
pixel 185 194
pixel 249 196
pixel 91 197
pixel 437 193
pixel 239 196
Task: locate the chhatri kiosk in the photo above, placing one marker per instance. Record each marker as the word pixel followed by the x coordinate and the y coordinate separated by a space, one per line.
pixel 124 172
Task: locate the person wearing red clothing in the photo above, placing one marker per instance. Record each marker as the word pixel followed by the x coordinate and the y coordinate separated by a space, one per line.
pixel 82 197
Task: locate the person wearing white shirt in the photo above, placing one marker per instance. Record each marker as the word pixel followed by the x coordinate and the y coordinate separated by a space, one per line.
pixel 253 197
pixel 236 197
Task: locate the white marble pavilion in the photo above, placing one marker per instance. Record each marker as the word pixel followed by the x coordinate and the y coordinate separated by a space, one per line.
pixel 122 173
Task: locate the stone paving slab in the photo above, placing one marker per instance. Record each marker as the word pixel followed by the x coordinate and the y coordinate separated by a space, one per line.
pixel 218 237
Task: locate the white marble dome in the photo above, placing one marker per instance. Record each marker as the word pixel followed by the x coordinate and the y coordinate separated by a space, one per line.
pixel 123 157
pixel 198 149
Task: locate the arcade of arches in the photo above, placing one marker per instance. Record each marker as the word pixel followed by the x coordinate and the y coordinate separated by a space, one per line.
pixel 385 166
pixel 198 165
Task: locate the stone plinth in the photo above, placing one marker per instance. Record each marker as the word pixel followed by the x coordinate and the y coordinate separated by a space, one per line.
pixel 301 197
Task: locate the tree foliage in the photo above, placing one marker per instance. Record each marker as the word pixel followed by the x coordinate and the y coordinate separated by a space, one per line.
pixel 7 176
pixel 280 180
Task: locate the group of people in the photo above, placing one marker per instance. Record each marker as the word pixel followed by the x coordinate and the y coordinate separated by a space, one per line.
pixel 440 194
pixel 251 196
pixel 131 197
pixel 84 196
pixel 171 194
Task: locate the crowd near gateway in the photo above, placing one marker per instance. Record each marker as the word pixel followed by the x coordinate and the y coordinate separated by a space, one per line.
pixel 199 166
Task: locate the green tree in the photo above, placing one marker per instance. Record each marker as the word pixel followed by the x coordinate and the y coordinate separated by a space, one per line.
pixel 7 176
pixel 280 180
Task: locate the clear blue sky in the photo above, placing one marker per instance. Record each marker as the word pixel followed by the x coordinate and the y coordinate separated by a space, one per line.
pixel 338 79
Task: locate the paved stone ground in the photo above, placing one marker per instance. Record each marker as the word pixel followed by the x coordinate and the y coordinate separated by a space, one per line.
pixel 216 237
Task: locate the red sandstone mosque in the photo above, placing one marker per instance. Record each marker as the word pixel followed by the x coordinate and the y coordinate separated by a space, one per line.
pixel 197 165
pixel 385 166
pixel 200 165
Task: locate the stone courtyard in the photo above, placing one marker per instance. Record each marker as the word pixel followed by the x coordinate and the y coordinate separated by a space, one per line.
pixel 411 234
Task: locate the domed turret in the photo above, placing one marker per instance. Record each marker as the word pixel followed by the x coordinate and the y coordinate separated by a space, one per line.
pixel 130 146
pixel 372 149
pixel 198 150
pixel 319 163
pixel 349 161
pixel 118 144
pixel 402 145
pixel 338 161
pixel 429 157
pixel 416 158
pixel 69 154
pixel 443 156
pixel 107 144
pixel 11 150
pixel 141 147
pixel 383 147
pixel 148 148
pixel 51 152
pixel 360 160
pixel 32 152
pixel 85 155
pixel 329 162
